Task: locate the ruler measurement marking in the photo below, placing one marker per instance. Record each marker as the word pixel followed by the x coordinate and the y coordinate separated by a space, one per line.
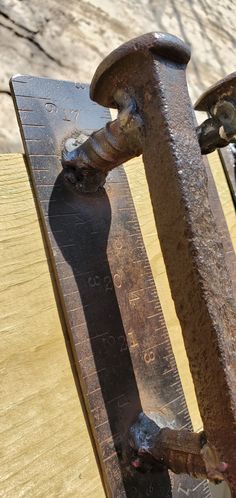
pixel 33 97
pixel 34 125
pixel 108 439
pixel 175 383
pixel 170 402
pixel 155 346
pixel 94 372
pixel 72 293
pixel 91 338
pixel 181 411
pixel 138 235
pixel 94 391
pixel 36 140
pixel 64 246
pixel 45 184
pixel 86 358
pixel 42 169
pixel 158 306
pixel 78 325
pixel 100 425
pixel 116 398
pixel 185 425
pixel 148 271
pixel 64 214
pixel 157 329
pixel 76 309
pixel 168 371
pixel 152 316
pixel 110 456
pixel 44 155
pixel 128 208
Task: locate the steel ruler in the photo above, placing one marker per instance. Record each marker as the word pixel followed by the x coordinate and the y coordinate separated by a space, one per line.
pixel 122 351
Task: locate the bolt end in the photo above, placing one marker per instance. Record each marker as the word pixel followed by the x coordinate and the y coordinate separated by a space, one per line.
pixel 105 80
pixel 223 89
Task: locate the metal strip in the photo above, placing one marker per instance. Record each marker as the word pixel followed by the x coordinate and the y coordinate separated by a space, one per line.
pixel 228 157
pixel 117 330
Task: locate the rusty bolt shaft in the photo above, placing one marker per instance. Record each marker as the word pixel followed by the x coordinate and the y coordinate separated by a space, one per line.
pixel 105 149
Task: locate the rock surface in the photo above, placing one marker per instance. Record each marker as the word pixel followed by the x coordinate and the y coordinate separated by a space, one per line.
pixel 68 40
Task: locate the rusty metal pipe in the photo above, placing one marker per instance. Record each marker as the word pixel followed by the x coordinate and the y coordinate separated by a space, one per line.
pixel 151 70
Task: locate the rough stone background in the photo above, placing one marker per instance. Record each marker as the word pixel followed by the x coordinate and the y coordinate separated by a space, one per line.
pixel 67 40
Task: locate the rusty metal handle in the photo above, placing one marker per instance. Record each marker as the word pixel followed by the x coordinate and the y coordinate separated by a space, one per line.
pixel 149 72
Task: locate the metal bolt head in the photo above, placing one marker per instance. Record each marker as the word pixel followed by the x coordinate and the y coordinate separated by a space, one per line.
pixel 224 89
pixel 110 74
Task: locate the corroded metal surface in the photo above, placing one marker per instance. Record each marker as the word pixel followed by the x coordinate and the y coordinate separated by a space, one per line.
pixel 117 330
pixel 85 165
pixel 220 102
pixel 181 451
pixel 225 88
pixel 228 157
pixel 103 88
pixel 194 256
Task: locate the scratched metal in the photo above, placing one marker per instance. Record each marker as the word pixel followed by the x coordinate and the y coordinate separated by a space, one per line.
pixel 117 330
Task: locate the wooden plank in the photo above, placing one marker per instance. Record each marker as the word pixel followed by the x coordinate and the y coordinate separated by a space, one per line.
pixel 45 445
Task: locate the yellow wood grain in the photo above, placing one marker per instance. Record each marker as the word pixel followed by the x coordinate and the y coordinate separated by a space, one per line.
pixel 45 447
